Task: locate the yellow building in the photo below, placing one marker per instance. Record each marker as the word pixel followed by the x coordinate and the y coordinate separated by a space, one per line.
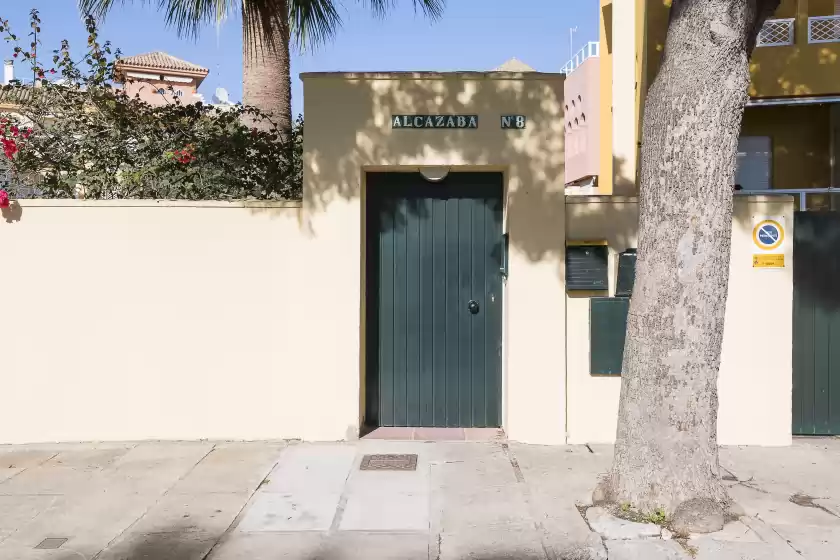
pixel 789 133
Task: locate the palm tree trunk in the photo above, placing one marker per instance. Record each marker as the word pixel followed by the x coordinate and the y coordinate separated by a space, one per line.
pixel 266 66
pixel 666 451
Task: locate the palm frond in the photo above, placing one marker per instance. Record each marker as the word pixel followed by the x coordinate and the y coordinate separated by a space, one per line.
pixel 432 9
pixel 186 16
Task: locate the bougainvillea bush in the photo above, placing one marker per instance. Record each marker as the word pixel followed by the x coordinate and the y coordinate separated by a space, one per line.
pixel 76 134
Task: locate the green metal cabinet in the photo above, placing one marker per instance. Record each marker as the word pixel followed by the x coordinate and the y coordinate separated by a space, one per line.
pixel 434 259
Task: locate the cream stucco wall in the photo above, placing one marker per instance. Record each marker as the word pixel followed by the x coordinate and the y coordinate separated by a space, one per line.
pixel 348 132
pixel 129 320
pixel 755 376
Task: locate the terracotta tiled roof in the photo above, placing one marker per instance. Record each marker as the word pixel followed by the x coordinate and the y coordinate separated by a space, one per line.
pixel 163 61
pixel 14 95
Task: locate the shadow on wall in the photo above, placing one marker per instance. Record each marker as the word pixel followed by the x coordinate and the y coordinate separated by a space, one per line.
pixel 352 130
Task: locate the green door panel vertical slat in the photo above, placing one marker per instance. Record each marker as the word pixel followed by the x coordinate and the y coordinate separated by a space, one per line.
pixel 439 334
pixel 430 362
pixel 821 370
pixel 413 315
pixel 427 313
pixel 465 318
pixel 386 315
pixel 478 410
pixel 493 336
pixel 453 316
pixel 401 318
pixel 834 378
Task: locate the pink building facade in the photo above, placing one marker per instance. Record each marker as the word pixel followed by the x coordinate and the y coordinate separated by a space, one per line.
pixel 582 102
pixel 160 79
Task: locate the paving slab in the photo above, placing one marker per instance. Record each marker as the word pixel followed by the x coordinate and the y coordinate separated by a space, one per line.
pixel 388 500
pixel 309 509
pixel 309 466
pixel 7 473
pixel 23 457
pixel 477 506
pixel 710 549
pixel 505 542
pixel 645 550
pixel 49 480
pixel 811 542
pixel 17 511
pixel 347 545
pixel 192 513
pixel 231 468
pixel 95 458
pixel 389 507
pixel 90 523
pixel 269 546
pixel 160 546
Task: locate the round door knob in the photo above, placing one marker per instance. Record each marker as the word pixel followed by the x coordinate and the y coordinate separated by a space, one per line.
pixel 473 306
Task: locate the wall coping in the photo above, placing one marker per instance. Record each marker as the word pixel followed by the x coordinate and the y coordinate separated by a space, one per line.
pixel 154 203
pixel 431 75
pixel 611 199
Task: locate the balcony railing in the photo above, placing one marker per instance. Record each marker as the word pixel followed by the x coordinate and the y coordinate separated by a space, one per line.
pixel 776 33
pixel 824 29
pixel 592 48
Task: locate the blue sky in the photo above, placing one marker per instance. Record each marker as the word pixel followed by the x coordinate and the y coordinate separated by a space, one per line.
pixel 473 35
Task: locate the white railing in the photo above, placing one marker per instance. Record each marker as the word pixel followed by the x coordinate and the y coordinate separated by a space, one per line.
pixel 801 194
pixel 591 49
pixel 776 33
pixel 824 29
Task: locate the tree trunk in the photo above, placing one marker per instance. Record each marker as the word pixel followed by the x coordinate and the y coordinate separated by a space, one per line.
pixel 666 449
pixel 266 65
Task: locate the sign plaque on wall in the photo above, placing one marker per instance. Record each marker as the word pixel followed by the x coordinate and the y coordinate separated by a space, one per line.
pixel 769 239
pixel 513 122
pixel 434 121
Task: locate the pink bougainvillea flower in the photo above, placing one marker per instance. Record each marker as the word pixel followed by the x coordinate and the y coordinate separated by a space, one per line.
pixel 4 199
pixel 15 130
pixel 27 133
pixel 10 147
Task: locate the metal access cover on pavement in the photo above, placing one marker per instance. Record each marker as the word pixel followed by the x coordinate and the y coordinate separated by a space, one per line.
pixel 51 543
pixel 390 462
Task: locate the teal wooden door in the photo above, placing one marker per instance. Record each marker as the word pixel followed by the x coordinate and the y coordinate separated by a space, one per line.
pixel 434 300
pixel 816 323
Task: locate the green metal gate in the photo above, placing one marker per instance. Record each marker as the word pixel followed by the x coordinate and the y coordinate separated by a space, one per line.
pixel 816 323
pixel 434 300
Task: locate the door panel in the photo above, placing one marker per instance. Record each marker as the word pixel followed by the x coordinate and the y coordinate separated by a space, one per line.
pixel 432 249
pixel 816 323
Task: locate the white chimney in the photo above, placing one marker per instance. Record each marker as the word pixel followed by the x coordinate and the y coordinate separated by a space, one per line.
pixel 8 71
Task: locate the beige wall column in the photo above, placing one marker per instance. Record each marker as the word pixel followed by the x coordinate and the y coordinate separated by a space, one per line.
pixel 349 131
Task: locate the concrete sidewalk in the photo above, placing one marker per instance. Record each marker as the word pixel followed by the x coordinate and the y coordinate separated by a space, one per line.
pixel 489 501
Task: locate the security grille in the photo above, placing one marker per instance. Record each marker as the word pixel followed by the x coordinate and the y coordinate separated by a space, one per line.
pixel 776 32
pixel 824 29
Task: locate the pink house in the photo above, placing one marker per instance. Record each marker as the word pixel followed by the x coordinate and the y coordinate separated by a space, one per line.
pixel 582 102
pixel 158 78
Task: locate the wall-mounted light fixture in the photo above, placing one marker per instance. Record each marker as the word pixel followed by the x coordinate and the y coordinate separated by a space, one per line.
pixel 434 174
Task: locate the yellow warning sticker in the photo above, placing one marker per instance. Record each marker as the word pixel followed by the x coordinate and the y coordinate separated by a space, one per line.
pixel 768 261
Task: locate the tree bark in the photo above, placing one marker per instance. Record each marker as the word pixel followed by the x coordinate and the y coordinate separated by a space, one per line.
pixel 666 449
pixel 266 64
